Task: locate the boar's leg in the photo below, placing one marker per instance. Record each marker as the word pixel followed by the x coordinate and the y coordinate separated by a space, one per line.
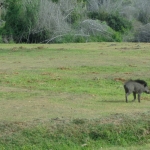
pixel 127 97
pixel 127 92
pixel 139 94
pixel 134 95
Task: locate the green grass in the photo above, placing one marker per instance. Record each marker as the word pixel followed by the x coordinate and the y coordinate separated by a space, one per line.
pixel 77 134
pixel 71 96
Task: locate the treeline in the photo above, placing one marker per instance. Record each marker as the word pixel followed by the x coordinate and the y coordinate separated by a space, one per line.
pixel 62 21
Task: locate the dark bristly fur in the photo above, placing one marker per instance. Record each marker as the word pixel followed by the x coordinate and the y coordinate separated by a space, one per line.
pixel 141 82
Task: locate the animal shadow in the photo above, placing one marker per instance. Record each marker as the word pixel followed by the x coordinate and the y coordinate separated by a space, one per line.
pixel 112 101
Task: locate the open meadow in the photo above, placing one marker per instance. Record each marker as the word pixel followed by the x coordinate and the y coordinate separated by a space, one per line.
pixel 54 92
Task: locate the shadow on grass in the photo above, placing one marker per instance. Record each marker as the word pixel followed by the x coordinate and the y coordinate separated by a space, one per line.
pixel 113 101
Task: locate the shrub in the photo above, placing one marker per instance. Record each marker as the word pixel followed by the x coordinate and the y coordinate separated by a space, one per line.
pixel 143 34
pixel 20 20
pixel 1 40
pixel 55 1
pixel 115 21
pixel 118 23
pixel 70 38
pixel 74 17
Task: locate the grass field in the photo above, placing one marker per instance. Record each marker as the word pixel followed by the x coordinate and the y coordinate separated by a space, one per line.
pixel 64 82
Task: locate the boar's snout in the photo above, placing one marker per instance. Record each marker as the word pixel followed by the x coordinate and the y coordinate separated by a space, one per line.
pixel 147 90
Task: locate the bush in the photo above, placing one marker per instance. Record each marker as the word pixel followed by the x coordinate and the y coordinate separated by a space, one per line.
pixel 55 1
pixel 143 34
pixel 144 17
pixel 15 25
pixel 1 39
pixel 20 20
pixel 118 23
pixel 70 38
pixel 74 17
pixel 37 37
pixel 115 21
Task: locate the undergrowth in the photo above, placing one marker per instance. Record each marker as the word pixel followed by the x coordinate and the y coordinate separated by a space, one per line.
pixel 116 130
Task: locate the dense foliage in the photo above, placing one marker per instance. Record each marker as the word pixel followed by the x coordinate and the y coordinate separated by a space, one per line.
pixel 115 21
pixel 36 21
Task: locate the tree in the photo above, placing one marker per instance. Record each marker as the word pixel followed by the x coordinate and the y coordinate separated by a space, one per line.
pixel 20 19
